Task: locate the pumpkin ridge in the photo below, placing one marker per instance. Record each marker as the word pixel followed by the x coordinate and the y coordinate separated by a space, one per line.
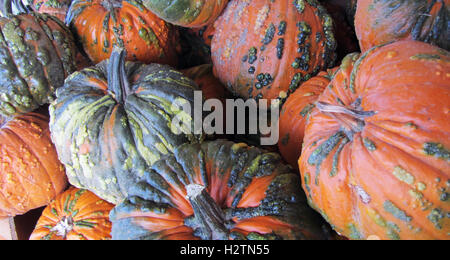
pixel 64 57
pixel 401 149
pixel 18 74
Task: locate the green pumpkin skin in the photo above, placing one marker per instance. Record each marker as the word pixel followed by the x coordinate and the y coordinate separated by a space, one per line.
pixel 37 52
pixel 261 197
pixel 110 125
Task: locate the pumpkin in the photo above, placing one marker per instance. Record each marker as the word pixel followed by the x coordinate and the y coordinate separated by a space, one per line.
pixel 266 49
pixel 56 8
pixel 294 114
pixel 380 22
pixel 112 121
pixel 188 13
pixel 37 53
pixel 376 154
pixel 206 33
pixel 76 214
pixel 30 172
pixel 126 24
pixel 217 190
pixel 210 86
pixel 344 31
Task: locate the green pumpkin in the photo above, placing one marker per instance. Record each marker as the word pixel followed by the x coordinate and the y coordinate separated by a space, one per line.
pixel 111 122
pixel 217 190
pixel 37 52
pixel 187 13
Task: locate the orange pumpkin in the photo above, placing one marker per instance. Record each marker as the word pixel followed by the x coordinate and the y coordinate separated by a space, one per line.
pixel 266 49
pixel 30 172
pixel 102 24
pixel 294 114
pixel 376 154
pixel 381 22
pixel 76 214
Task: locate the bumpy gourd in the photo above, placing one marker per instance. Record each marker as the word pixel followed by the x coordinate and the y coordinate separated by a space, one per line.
pixel 111 122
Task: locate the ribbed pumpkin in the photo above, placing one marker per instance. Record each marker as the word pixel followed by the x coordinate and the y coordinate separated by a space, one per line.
pixel 30 172
pixel 111 122
pixel 76 214
pixel 376 153
pixel 266 49
pixel 217 190
pixel 294 114
pixel 379 22
pixel 102 24
pixel 187 13
pixel 37 53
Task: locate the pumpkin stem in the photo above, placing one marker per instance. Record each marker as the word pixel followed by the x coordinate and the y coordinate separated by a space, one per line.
pixel 210 216
pixel 352 120
pixel 117 77
pixel 63 227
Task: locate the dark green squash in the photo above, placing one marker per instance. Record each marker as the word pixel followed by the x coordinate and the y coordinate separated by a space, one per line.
pixel 111 122
pixel 187 13
pixel 37 52
pixel 217 190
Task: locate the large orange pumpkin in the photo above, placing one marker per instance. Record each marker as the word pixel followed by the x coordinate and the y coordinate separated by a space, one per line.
pixel 376 154
pixel 76 214
pixel 102 24
pixel 30 172
pixel 294 114
pixel 380 22
pixel 266 49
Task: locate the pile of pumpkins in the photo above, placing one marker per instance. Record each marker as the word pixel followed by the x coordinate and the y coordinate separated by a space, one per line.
pixel 86 117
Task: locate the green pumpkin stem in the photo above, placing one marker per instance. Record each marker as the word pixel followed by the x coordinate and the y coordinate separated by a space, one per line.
pixel 210 217
pixel 117 77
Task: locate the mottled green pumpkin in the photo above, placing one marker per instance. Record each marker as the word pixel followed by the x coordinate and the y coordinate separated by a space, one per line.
pixel 187 13
pixel 111 122
pixel 37 52
pixel 217 190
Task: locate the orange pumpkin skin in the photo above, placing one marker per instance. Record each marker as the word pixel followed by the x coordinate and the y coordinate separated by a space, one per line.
pixel 384 171
pixel 129 25
pixel 210 86
pixel 76 214
pixel 294 114
pixel 381 22
pixel 266 49
pixel 30 172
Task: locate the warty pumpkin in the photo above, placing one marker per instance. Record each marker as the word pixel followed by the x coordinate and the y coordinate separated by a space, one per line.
pixel 111 122
pixel 30 173
pixel 58 8
pixel 266 49
pixel 376 155
pixel 294 114
pixel 37 52
pixel 76 214
pixel 102 24
pixel 217 190
pixel 380 22
pixel 187 13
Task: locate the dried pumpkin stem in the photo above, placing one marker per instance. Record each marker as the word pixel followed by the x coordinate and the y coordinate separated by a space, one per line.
pixel 209 215
pixel 352 120
pixel 117 77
